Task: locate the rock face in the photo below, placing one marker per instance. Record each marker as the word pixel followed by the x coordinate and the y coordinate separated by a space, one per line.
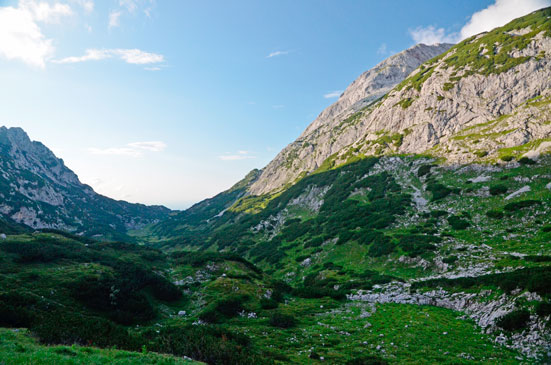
pixel 38 190
pixel 485 98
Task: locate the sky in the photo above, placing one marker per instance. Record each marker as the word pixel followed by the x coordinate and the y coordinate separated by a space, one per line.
pixel 171 102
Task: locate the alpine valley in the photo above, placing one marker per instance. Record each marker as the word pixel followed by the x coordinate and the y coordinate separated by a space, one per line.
pixel 409 223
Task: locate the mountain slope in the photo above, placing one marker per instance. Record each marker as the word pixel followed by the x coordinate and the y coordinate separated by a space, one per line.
pixel 38 190
pixel 485 95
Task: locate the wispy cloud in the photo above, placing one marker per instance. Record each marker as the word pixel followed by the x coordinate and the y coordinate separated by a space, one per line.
pixel 153 146
pixel 132 56
pixel 278 106
pixel 499 13
pixel 87 5
pixel 382 50
pixel 114 18
pixel 240 155
pixel 21 37
pixel 134 149
pixel 277 53
pixel 432 35
pixel 333 94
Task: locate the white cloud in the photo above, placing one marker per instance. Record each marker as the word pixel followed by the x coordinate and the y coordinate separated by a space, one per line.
pixel 495 15
pixel 45 12
pixel 153 146
pixel 20 35
pixel 500 13
pixel 240 155
pixel 87 5
pixel 134 149
pixel 432 35
pixel 130 5
pixel 114 18
pixel 277 53
pixel 132 56
pixel 333 94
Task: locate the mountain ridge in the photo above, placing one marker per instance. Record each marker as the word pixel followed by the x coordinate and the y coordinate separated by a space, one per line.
pixel 38 190
pixel 484 78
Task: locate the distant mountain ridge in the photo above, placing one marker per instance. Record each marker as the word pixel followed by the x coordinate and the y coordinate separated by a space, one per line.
pixel 38 190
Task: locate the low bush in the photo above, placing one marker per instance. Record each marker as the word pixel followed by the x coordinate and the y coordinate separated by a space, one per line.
pixel 424 170
pixel 543 309
pixel 495 214
pixel 526 161
pixel 514 321
pixel 498 189
pixel 457 223
pixel 268 303
pixel 514 206
pixel 367 360
pixel 282 320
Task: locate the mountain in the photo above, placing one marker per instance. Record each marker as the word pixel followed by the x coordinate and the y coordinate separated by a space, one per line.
pixel 482 99
pixel 433 193
pixel 39 191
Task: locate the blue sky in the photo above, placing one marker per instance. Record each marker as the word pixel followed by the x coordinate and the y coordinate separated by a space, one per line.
pixel 170 102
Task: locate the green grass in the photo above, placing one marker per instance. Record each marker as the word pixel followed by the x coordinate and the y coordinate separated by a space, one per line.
pixel 408 334
pixel 18 347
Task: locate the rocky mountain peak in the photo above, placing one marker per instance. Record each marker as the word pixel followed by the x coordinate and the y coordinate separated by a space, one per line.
pixel 366 89
pixel 486 99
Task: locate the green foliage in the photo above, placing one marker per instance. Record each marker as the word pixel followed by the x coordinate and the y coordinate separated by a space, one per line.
pixel 405 103
pixel 498 189
pixel 507 158
pixel 268 303
pixel 515 320
pixel 367 360
pixel 526 161
pixel 448 86
pixel 532 279
pixel 223 309
pixel 438 190
pixel 282 320
pixel 514 206
pixel 424 170
pixel 495 214
pixel 543 308
pixel 458 223
pixel 415 244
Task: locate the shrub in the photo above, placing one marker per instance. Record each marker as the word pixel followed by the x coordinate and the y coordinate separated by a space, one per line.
pixel 423 170
pixel 526 161
pixel 514 320
pixel 416 244
pixel 367 360
pixel 546 228
pixel 438 191
pixel 224 308
pixel 511 207
pixel 543 308
pixel 495 214
pixel 507 158
pixel 282 320
pixel 381 248
pixel 498 189
pixel 268 303
pixel 458 223
pixel 449 259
